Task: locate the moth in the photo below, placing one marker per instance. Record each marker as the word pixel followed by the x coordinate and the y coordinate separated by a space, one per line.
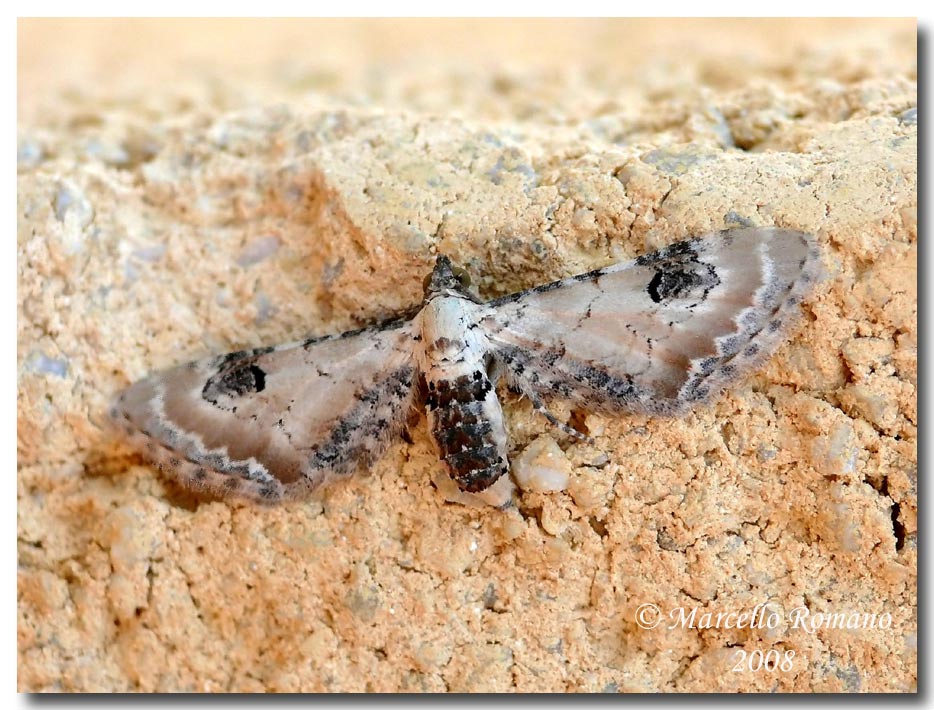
pixel 656 335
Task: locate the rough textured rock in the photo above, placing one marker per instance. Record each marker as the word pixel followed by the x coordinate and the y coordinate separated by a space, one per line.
pixel 170 207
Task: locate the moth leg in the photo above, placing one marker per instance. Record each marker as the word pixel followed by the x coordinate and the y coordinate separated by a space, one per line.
pixel 542 409
pixel 517 384
pixel 566 428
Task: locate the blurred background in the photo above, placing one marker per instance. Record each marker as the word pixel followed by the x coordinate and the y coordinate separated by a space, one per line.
pixel 502 67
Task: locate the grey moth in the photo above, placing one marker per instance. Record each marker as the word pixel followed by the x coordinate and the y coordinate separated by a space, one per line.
pixel 657 335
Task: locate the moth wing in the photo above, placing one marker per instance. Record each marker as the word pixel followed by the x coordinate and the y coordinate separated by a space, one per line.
pixel 275 422
pixel 660 333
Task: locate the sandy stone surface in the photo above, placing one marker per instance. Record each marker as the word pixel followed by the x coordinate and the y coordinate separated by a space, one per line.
pixel 189 188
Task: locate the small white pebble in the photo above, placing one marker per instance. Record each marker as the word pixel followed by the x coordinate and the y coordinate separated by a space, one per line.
pixel 542 466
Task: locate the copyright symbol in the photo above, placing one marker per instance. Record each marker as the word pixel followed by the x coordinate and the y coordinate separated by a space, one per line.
pixel 648 616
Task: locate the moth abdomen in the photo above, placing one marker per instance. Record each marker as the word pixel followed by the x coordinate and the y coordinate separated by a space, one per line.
pixel 467 426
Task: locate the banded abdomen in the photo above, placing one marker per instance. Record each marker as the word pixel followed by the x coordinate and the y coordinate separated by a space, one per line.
pixel 467 425
pixel 464 414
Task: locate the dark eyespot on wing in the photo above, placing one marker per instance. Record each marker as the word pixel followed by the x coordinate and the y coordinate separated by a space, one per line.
pixel 243 378
pixel 679 282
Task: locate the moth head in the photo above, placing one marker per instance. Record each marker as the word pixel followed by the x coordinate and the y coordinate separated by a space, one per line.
pixel 446 277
